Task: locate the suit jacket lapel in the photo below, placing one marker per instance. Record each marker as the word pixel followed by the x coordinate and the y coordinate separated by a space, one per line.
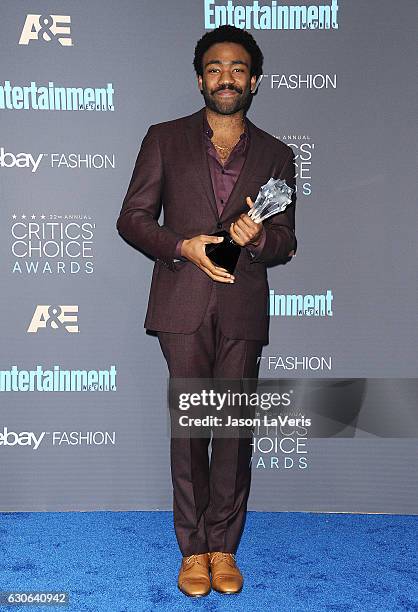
pixel 195 136
pixel 239 191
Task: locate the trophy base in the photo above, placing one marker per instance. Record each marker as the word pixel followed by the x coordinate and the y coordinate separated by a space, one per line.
pixel 226 253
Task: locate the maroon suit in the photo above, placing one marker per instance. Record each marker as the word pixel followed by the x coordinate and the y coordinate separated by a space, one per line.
pixel 206 329
pixel 172 170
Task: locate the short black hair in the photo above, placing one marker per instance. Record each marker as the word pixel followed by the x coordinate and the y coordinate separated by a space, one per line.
pixel 228 33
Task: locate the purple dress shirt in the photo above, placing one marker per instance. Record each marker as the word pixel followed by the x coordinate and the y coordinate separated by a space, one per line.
pixel 224 176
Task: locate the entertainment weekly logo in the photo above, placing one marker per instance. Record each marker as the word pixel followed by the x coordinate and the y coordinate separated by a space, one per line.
pixel 51 244
pixel 271 15
pixel 298 305
pixel 57 379
pixel 32 162
pixel 55 98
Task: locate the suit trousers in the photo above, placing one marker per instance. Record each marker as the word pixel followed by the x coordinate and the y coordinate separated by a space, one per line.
pixel 210 498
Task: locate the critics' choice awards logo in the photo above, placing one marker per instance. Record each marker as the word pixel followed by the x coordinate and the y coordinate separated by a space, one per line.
pixel 304 149
pixel 282 444
pixel 54 317
pixel 47 28
pixel 56 98
pixel 34 161
pixel 272 15
pixel 52 244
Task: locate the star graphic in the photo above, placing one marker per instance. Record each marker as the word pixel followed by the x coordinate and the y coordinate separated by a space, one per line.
pixel 23 216
pixel 42 216
pixel 33 217
pixel 14 216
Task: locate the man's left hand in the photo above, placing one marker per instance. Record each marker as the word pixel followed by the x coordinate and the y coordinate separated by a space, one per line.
pixel 244 231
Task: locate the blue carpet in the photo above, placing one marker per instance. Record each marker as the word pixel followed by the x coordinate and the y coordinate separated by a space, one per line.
pixel 291 562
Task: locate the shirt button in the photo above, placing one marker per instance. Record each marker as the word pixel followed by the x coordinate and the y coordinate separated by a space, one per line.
pixel 223 171
pixel 219 225
pixel 222 201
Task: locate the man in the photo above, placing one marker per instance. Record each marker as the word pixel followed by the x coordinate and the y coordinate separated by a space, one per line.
pixel 206 170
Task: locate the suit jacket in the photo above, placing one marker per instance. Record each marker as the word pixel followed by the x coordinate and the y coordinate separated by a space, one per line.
pixel 172 172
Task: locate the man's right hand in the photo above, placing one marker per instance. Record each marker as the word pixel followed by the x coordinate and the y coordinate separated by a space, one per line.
pixel 194 250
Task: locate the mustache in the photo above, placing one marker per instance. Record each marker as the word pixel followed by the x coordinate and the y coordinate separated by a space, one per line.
pixel 231 87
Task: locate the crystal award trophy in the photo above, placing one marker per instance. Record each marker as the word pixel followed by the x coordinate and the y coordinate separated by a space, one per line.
pixel 272 198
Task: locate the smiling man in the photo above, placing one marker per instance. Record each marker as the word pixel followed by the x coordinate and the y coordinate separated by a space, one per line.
pixel 206 170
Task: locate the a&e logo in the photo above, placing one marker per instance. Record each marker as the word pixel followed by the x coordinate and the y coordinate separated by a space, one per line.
pixel 54 317
pixel 48 28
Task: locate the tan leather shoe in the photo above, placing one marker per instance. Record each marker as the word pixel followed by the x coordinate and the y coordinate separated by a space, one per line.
pixel 226 577
pixel 194 579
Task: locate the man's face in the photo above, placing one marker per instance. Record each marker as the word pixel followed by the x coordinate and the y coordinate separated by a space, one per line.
pixel 226 82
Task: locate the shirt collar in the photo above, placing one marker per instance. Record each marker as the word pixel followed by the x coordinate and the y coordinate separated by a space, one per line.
pixel 209 132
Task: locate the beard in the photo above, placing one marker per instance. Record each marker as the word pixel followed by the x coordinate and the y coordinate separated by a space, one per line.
pixel 227 106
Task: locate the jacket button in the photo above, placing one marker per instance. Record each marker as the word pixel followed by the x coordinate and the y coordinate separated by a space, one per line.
pixel 219 225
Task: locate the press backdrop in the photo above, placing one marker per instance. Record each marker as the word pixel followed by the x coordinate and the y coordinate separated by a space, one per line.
pixel 341 92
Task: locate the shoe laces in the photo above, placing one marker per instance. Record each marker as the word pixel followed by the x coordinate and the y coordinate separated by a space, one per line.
pixel 224 556
pixel 191 558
